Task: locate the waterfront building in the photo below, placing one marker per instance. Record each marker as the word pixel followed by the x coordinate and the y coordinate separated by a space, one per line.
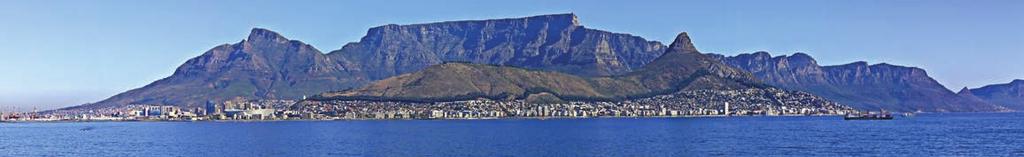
pixel 727 109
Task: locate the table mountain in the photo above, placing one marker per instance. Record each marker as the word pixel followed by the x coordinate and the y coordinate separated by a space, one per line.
pixel 859 85
pixel 269 66
pixel 1010 94
pixel 547 42
pixel 681 67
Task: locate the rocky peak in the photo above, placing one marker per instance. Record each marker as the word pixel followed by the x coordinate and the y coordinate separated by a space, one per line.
pixel 964 92
pixel 682 44
pixel 260 35
pixel 802 55
pixel 265 65
pixel 802 59
pixel 797 60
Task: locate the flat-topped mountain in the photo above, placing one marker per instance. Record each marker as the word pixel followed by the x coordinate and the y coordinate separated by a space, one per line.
pixel 268 66
pixel 859 85
pixel 681 67
pixel 548 42
pixel 1010 94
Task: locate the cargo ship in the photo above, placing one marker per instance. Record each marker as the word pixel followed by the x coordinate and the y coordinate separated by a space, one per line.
pixel 869 116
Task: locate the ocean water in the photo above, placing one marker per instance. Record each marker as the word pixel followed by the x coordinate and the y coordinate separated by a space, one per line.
pixel 961 134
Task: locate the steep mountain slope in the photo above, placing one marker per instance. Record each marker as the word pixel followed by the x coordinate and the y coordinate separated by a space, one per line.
pixel 1010 94
pixel 863 86
pixel 547 42
pixel 681 67
pixel 265 65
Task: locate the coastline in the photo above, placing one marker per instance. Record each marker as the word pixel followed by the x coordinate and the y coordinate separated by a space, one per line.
pixel 426 119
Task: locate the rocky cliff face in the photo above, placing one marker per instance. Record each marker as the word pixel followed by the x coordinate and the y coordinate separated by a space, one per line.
pixel 548 42
pixel 863 86
pixel 264 65
pixel 1010 94
pixel 680 68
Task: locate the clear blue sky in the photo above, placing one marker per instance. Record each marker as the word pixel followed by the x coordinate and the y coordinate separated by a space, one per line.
pixel 62 53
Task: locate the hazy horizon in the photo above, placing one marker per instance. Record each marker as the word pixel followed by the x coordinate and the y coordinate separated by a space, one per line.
pixel 75 52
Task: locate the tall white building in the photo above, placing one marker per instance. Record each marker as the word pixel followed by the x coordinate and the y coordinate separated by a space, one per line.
pixel 726 108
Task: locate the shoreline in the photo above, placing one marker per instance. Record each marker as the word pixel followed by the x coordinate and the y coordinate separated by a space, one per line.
pixel 424 119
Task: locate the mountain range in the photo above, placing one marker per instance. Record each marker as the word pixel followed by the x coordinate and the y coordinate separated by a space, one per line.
pixel 267 65
pixel 551 54
pixel 858 84
pixel 681 67
pixel 1010 95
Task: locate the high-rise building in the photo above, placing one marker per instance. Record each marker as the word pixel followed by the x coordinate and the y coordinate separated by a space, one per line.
pixel 212 108
pixel 726 108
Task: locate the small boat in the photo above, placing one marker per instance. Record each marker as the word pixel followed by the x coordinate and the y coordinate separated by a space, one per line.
pixel 869 116
pixel 87 128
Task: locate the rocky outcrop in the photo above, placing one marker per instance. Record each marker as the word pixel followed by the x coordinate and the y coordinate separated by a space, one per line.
pixel 863 86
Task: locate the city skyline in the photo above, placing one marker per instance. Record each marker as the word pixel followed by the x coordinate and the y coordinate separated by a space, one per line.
pixel 114 46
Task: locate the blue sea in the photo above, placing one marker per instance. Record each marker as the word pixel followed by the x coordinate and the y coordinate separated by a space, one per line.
pixel 959 134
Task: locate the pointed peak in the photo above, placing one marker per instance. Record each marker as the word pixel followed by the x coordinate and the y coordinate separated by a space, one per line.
pixel 682 44
pixel 964 90
pixel 261 34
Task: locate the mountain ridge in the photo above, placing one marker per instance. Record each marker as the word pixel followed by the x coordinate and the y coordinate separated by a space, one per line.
pixel 1009 94
pixel 858 84
pixel 550 42
pixel 681 67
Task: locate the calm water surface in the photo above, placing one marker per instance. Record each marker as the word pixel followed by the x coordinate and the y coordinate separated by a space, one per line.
pixel 973 134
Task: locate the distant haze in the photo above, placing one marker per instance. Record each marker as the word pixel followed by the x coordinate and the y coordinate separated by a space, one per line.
pixel 57 54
